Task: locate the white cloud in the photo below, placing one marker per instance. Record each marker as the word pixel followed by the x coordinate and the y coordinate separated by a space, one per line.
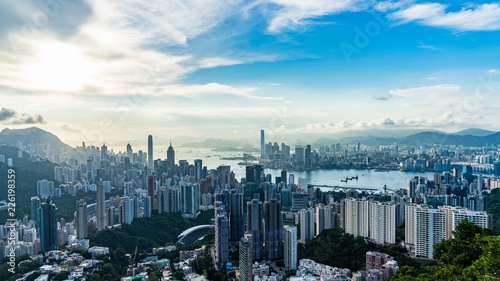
pixel 286 15
pixel 429 91
pixel 493 71
pixel 485 17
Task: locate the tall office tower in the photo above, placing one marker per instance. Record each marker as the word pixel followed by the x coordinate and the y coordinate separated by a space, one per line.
pixel 150 152
pixel 290 247
pixel 48 226
pixel 35 204
pixel 262 142
pixel 306 220
pixel 198 169
pixel 190 198
pixel 455 215
pixel 356 217
pixel 104 151
pixel 170 156
pixel 411 188
pixel 286 198
pixel 299 201
pixel 308 157
pixel 273 225
pixel 383 222
pixel 101 207
pixel 236 220
pixel 325 218
pixel 283 176
pixel 130 152
pixel 90 170
pixel 246 259
pixel 255 228
pixel 147 207
pixel 127 212
pixel 151 192
pixel 221 235
pixel 81 219
pixel 291 179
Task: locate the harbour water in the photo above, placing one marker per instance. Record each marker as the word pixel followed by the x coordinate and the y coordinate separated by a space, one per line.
pixel 366 178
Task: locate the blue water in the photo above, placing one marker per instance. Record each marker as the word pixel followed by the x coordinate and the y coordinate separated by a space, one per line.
pixel 366 178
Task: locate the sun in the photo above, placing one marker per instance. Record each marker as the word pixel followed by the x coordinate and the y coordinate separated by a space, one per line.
pixel 56 67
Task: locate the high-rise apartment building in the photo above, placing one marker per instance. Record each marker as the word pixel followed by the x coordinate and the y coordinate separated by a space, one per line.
pixel 246 259
pixel 383 222
pixel 221 234
pixel 306 219
pixel 81 219
pixel 356 219
pixel 290 247
pixel 101 207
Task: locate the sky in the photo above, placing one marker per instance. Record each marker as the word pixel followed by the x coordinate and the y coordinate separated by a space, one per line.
pixel 109 71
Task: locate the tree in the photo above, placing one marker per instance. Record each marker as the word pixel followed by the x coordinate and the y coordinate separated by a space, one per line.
pixel 464 249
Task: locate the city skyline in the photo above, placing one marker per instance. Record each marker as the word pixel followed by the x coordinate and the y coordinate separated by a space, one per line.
pixel 110 71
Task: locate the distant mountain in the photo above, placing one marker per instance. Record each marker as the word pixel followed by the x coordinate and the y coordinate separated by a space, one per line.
pixel 429 138
pixel 475 132
pixel 423 138
pixel 32 135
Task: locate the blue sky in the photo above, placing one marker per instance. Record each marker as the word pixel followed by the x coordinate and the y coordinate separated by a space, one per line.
pixel 114 70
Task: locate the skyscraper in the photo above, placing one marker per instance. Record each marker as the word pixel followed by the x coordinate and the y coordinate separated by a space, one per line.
pixel 198 169
pixel 262 144
pixel 306 219
pixel 190 198
pixel 357 217
pixel 48 226
pixel 101 207
pixel 290 247
pixel 383 222
pixel 170 156
pixel 150 152
pixel 255 228
pixel 35 204
pixel 272 229
pixel 246 259
pixel 325 218
pixel 130 152
pixel 236 221
pixel 81 219
pixel 104 152
pixel 221 234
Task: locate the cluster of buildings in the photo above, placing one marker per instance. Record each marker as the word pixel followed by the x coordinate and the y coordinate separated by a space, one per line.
pixel 257 216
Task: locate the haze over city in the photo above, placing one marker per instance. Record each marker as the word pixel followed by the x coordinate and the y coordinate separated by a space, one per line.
pixel 109 71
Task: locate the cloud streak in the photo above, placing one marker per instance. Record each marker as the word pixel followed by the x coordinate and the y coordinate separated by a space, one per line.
pixel 429 91
pixel 484 17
